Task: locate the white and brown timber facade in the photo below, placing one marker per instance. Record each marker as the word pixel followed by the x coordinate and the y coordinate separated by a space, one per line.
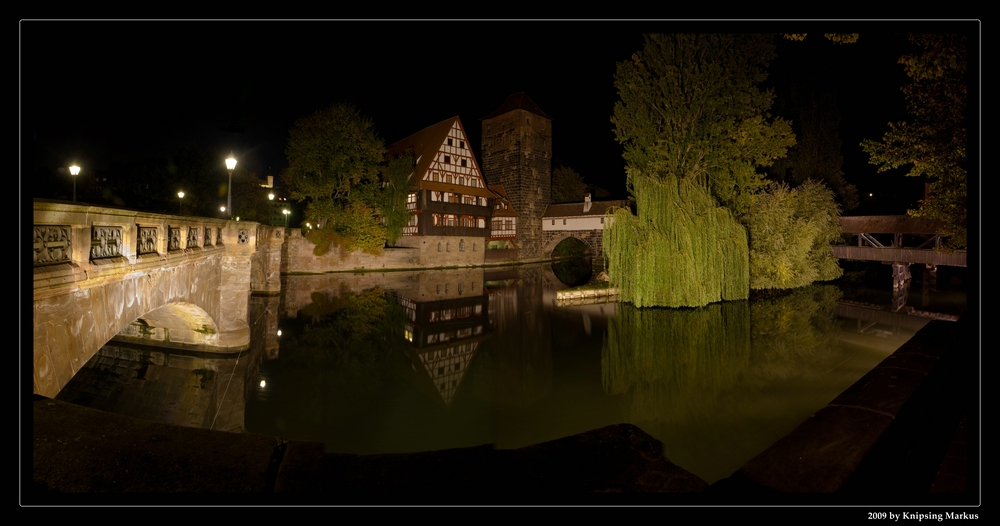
pixel 450 204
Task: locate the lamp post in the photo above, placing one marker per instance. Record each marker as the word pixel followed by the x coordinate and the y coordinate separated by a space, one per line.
pixel 230 165
pixel 286 212
pixel 180 196
pixel 270 208
pixel 74 171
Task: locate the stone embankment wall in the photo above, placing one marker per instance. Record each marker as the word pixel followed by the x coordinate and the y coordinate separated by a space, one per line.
pixel 416 252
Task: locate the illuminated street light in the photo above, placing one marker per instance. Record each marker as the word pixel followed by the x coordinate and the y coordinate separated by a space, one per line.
pixel 74 171
pixel 222 209
pixel 286 212
pixel 180 197
pixel 230 165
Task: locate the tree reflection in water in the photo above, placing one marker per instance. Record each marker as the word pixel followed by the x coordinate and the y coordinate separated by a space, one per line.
pixel 707 381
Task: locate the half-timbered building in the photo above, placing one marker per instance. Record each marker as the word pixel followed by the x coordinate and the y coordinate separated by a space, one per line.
pixel 450 204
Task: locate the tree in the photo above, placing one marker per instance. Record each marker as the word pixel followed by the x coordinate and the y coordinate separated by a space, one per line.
pixel 695 128
pixel 567 185
pixel 331 154
pixel 790 232
pixel 396 186
pixel 816 154
pixel 691 108
pixel 934 143
pixel 333 166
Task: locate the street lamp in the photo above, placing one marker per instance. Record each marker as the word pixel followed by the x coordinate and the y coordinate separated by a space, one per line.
pixel 230 165
pixel 286 212
pixel 74 171
pixel 180 196
pixel 222 209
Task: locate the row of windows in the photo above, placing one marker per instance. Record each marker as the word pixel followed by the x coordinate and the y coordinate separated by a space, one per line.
pixel 564 221
pixel 461 248
pixel 460 312
pixel 451 197
pixel 461 180
pixel 454 220
pixel 448 336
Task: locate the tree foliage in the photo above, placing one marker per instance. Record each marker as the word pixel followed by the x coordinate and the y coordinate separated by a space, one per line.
pixel 690 108
pixel 567 185
pixel 934 143
pixel 397 183
pixel 331 155
pixel 352 227
pixel 816 154
pixel 681 250
pixel 333 165
pixel 790 232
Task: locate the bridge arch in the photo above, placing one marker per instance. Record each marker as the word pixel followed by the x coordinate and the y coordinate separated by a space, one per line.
pixel 594 239
pixel 100 272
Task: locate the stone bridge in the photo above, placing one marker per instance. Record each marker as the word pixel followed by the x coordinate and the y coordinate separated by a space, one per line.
pixel 594 239
pixel 177 281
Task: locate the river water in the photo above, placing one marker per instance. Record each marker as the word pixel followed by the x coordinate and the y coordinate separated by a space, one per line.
pixel 428 360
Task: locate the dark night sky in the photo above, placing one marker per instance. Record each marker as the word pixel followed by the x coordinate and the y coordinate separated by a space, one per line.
pixel 95 92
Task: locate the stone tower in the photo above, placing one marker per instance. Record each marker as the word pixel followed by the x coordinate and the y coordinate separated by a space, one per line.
pixel 517 153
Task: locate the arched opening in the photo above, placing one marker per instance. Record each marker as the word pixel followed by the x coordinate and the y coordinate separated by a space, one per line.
pixel 572 264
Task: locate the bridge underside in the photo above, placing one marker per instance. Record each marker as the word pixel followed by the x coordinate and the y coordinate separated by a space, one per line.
pixel 594 239
pixel 162 304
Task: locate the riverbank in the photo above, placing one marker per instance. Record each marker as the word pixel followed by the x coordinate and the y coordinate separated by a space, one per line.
pixel 894 437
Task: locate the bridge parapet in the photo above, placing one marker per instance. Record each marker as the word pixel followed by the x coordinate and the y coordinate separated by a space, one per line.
pixel 97 270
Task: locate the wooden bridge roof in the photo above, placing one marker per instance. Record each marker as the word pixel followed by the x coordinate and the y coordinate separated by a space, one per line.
pixel 901 224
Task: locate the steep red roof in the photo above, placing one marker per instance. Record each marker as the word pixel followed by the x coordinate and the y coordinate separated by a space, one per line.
pixel 425 144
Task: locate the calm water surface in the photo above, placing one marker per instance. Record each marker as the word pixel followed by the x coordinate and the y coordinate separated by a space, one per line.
pixel 417 361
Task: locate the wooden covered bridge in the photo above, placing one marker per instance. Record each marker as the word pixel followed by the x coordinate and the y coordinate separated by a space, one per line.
pixel 900 241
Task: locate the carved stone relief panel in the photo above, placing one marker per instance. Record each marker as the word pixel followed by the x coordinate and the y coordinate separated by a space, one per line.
pixel 174 238
pixel 105 241
pixel 52 244
pixel 147 240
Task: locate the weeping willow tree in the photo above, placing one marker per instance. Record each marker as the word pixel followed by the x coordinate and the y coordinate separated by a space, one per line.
pixel 695 128
pixel 681 250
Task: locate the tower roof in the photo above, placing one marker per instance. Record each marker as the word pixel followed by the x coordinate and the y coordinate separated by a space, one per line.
pixel 518 101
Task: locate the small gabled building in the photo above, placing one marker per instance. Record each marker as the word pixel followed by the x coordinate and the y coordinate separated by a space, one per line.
pixel 450 204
